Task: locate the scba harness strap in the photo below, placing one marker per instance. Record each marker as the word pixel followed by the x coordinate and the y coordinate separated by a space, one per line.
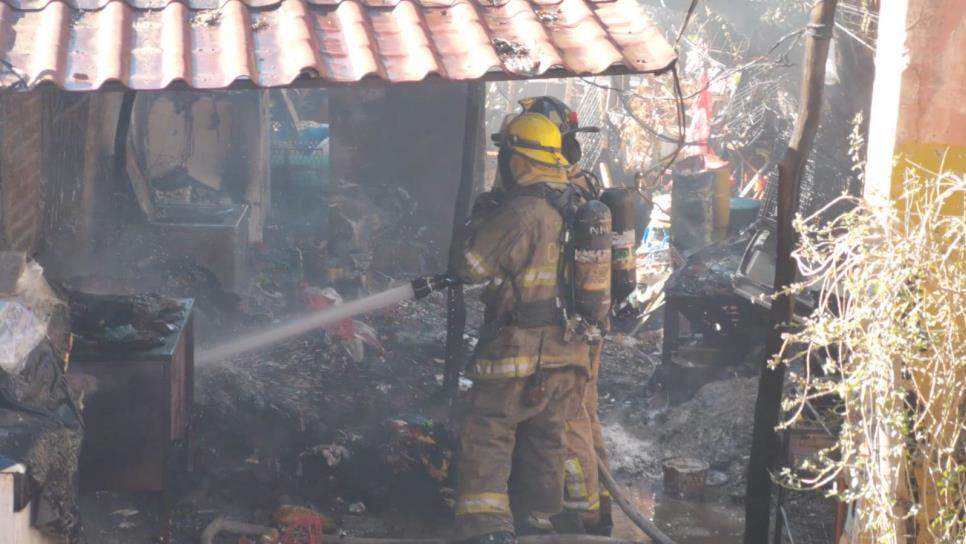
pixel 555 312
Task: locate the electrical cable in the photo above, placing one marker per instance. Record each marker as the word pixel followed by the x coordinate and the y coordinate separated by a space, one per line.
pixel 760 62
pixel 687 20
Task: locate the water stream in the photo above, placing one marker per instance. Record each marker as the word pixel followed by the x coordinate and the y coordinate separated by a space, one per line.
pixel 305 323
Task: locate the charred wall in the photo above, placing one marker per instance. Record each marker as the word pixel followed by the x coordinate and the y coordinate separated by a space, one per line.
pixel 410 136
pixel 54 158
pixel 21 183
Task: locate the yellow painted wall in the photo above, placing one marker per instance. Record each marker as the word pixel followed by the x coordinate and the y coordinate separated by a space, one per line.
pixel 918 115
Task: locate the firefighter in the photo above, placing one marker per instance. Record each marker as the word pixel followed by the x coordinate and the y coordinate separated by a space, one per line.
pixel 527 378
pixel 584 497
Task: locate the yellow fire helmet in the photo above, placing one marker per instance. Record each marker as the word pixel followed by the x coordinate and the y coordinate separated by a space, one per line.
pixel 535 137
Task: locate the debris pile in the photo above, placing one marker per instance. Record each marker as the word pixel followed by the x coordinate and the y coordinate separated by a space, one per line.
pixel 40 421
pixel 133 322
pixel 421 451
pixel 714 426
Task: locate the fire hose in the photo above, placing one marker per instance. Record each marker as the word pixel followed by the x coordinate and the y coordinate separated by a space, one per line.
pixel 617 494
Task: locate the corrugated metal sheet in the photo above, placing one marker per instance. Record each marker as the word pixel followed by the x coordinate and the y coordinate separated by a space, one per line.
pixel 212 44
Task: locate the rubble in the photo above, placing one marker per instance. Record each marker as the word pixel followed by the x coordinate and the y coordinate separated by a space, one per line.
pixel 333 454
pixel 630 455
pixel 40 422
pixel 420 447
pixel 123 322
pixel 714 426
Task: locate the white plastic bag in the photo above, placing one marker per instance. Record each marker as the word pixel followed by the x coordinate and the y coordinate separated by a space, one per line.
pixel 24 318
pixel 35 293
pixel 20 332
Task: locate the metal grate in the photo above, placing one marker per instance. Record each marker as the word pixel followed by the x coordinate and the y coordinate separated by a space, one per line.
pixel 824 181
pixel 590 111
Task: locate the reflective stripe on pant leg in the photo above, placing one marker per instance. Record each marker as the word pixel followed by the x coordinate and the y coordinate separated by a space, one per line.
pixel 594 501
pixel 483 503
pixel 576 486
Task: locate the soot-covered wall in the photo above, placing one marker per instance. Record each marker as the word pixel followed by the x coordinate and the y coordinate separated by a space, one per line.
pixel 408 135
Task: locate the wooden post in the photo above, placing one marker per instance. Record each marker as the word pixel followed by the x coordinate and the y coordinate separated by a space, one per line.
pixel 455 305
pixel 765 448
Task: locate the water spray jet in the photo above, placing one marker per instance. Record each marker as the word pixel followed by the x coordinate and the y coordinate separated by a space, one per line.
pixel 414 290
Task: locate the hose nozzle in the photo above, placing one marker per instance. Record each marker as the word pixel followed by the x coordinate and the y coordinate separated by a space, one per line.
pixel 424 286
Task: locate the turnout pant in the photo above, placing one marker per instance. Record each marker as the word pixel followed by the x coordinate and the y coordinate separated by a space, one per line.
pixel 585 445
pixel 497 420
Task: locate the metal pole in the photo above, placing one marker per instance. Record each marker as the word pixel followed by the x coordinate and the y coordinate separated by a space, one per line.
pixel 765 446
pixel 455 305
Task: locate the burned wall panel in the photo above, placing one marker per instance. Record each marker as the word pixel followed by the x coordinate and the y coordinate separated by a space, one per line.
pixel 217 140
pixel 80 197
pixel 407 136
pixel 21 183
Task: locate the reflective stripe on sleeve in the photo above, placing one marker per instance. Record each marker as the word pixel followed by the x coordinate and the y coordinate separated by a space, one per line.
pixel 483 503
pixel 476 264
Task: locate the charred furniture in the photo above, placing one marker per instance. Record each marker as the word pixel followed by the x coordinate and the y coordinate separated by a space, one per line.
pixel 702 292
pixel 137 404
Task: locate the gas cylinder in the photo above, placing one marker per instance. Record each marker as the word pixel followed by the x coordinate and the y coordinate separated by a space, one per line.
pixel 592 261
pixel 622 205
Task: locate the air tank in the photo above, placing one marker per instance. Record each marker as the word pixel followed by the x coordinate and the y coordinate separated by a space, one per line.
pixel 622 204
pixel 592 261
